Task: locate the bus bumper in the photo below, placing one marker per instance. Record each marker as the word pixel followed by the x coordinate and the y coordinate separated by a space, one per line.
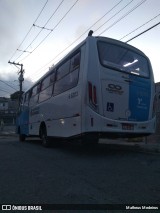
pixel 117 128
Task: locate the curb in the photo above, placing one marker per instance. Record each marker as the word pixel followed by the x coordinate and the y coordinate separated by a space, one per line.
pixel 8 134
pixel 140 147
pixel 151 148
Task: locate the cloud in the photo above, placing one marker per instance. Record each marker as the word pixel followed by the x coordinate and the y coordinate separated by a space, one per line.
pixel 13 15
pixel 9 84
pixel 8 38
pixel 15 22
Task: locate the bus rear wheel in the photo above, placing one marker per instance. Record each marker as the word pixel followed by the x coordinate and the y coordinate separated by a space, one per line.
pixel 45 139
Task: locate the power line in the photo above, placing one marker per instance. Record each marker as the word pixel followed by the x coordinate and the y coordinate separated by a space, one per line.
pixel 122 17
pixel 83 33
pixel 103 24
pixel 5 91
pixel 140 26
pixel 52 29
pixel 30 28
pixel 114 15
pixel 126 41
pixel 42 28
pixel 8 85
pixel 98 28
pixel 98 20
pixel 13 83
pixel 41 12
pixel 143 32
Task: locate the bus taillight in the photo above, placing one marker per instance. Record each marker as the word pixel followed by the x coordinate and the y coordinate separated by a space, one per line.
pixel 92 92
pixel 94 95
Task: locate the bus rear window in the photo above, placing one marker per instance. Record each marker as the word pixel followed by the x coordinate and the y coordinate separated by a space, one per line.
pixel 122 59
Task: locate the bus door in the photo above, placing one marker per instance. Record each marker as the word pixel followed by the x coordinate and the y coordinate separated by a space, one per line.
pixel 24 121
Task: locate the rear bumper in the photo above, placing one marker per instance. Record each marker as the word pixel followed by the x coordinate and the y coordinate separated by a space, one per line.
pixel 147 127
pixel 111 127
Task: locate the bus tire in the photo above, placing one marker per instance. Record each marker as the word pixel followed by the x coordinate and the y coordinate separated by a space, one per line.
pixel 43 135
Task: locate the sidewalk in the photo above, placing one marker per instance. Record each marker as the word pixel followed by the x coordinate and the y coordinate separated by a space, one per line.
pixel 149 144
pixel 8 131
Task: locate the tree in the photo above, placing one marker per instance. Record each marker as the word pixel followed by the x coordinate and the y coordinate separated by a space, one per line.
pixel 15 95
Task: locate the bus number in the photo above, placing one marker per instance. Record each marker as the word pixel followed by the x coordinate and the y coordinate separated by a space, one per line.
pixel 73 95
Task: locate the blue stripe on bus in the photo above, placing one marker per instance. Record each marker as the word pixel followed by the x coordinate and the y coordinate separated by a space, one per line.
pixel 24 122
pixel 139 98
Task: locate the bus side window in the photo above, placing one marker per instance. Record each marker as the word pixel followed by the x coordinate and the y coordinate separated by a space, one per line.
pixel 63 70
pixel 71 79
pixel 34 95
pixel 24 104
pixel 39 87
pixel 52 77
pixel 22 98
pixel 34 91
pixel 45 83
pixel 75 62
pixel 66 83
pixel 47 87
pixel 26 98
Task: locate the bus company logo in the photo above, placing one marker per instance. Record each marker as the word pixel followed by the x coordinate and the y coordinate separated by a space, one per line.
pixel 115 88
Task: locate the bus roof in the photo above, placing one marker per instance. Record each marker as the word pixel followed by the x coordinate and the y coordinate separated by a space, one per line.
pixel 98 38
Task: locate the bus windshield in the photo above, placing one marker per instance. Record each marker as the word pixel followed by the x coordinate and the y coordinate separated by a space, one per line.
pixel 122 59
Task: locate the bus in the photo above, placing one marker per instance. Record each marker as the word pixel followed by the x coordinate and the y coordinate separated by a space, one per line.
pixel 103 88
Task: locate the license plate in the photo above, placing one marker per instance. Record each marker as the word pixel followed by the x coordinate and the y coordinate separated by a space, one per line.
pixel 127 126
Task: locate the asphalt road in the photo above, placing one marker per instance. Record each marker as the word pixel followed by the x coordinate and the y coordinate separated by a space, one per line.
pixel 73 174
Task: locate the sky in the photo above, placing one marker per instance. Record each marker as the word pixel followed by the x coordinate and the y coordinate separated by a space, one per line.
pixel 38 33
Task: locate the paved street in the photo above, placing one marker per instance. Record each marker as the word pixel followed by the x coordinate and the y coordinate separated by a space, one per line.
pixel 74 174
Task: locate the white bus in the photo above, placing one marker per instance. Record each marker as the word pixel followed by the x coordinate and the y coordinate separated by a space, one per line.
pixel 102 88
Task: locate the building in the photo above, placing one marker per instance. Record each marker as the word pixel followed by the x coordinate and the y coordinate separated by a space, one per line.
pixel 3 104
pixel 8 110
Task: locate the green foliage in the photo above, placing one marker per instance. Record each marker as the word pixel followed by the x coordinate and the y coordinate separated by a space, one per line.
pixel 15 95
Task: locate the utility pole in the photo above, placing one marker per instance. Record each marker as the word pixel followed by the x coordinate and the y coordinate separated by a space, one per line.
pixel 21 79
